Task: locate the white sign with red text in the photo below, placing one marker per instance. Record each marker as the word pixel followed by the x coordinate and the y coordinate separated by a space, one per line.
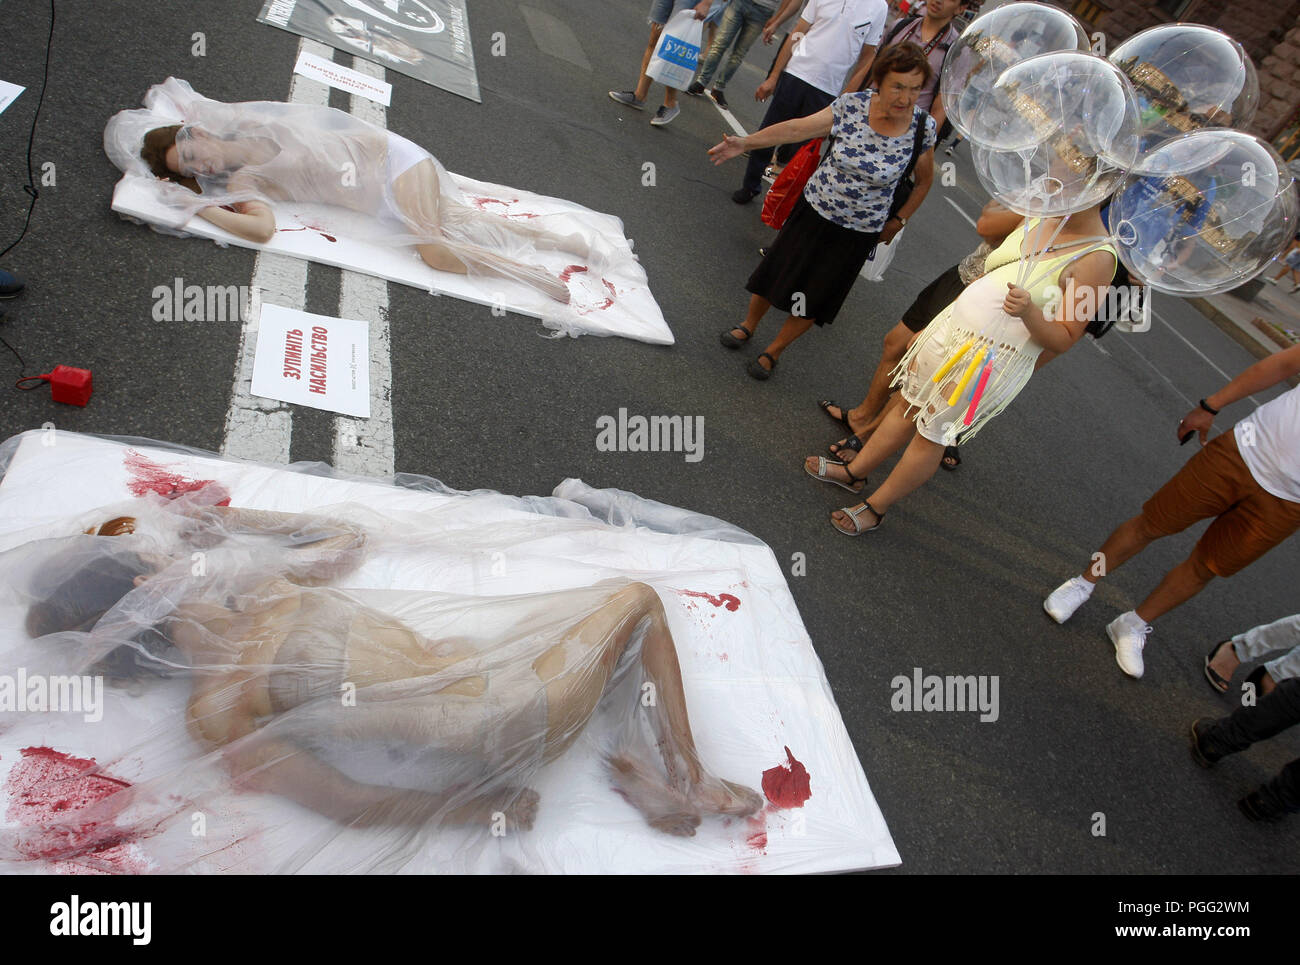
pixel 313 360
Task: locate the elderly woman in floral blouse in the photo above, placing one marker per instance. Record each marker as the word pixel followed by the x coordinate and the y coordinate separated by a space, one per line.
pixel 844 211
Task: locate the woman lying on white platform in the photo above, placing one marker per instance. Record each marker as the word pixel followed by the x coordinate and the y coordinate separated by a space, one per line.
pixel 240 156
pixel 288 676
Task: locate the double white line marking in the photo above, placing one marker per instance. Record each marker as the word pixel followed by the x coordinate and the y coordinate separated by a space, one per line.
pixel 262 429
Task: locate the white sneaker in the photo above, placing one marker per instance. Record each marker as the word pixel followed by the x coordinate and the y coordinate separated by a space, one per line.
pixel 1128 632
pixel 1067 598
pixel 1271 281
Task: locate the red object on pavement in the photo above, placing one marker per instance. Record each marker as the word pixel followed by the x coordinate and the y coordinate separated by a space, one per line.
pixel 67 384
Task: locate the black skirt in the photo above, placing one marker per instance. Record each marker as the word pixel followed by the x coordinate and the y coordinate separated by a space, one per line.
pixel 811 266
pixel 934 298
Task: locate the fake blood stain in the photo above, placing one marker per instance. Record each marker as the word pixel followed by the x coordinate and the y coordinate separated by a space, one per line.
pixel 310 228
pixel 722 599
pixel 46 789
pixel 787 786
pixel 570 271
pixel 482 203
pixel 149 477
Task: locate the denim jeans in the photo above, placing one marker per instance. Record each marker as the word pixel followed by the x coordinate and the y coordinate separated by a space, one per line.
pixel 1281 634
pixel 662 10
pixel 742 22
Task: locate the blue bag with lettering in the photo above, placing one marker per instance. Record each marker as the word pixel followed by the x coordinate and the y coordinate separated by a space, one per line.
pixel 675 58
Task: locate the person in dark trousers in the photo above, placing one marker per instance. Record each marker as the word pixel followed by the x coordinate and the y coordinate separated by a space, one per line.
pixel 1213 740
pixel 828 53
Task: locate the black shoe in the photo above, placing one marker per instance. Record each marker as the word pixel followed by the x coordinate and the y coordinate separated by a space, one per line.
pixel 696 88
pixel 1256 808
pixel 730 341
pixel 718 98
pixel 1199 754
pixel 743 195
pixel 11 286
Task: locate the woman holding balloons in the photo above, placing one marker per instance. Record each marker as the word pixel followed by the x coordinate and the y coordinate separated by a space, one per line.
pixel 1055 131
pixel 973 359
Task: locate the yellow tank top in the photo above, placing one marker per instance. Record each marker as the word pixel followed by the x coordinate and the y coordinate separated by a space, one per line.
pixel 1048 269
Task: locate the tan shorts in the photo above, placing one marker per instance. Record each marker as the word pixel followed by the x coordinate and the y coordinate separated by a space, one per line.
pixel 1249 520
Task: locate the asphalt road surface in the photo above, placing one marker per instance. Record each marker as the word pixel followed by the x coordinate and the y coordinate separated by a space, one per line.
pixel 953 584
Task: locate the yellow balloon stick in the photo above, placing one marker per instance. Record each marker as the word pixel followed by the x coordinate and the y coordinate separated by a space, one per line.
pixel 968 375
pixel 952 360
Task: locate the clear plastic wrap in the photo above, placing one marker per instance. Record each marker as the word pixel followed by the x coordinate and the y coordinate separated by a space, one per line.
pixel 271 151
pixel 354 688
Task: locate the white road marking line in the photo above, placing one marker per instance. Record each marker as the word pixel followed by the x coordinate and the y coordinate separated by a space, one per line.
pixel 1226 377
pixel 1165 378
pixel 261 429
pixel 957 207
pixel 729 117
pixel 365 446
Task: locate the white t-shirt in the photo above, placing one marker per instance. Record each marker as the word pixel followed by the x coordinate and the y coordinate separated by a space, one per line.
pixel 1269 442
pixel 839 31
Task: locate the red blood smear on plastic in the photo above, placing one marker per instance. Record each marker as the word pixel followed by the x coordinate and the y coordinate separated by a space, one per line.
pixel 723 599
pixel 570 271
pixel 45 790
pixel 613 292
pixel 787 787
pixel 149 477
pixel 757 838
pixel 328 237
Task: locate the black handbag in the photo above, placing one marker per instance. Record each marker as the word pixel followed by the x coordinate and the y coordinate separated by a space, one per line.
pixel 903 189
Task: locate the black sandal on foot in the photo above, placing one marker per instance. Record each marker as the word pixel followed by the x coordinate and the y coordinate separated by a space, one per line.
pixel 842 418
pixel 951 460
pixel 852 444
pixel 756 370
pixel 1219 684
pixel 1256 680
pixel 730 341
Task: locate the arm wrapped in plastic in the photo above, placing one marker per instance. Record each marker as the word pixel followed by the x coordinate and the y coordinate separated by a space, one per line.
pixel 400 677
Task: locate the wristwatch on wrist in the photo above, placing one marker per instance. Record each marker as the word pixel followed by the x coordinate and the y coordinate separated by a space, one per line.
pixel 1204 405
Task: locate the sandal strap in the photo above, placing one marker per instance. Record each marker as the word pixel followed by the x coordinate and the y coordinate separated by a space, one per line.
pixel 853 514
pixel 764 355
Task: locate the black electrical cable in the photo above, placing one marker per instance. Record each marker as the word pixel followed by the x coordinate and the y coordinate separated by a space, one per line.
pixel 22 366
pixel 30 186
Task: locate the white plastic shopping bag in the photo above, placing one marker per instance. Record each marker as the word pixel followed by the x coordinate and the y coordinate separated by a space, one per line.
pixel 874 269
pixel 674 60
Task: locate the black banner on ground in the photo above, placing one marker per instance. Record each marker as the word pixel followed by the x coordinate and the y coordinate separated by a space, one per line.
pixel 425 39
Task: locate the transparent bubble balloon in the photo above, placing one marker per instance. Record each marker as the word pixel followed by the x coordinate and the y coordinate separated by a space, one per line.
pixel 996 41
pixel 1057 134
pixel 1188 78
pixel 1205 212
pixel 1080 96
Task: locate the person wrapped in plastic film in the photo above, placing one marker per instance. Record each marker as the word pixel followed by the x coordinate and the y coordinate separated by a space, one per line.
pixel 225 162
pixel 288 673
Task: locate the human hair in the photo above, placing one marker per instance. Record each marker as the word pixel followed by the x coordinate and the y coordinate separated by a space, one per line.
pixel 82 588
pixel 904 58
pixel 154 152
